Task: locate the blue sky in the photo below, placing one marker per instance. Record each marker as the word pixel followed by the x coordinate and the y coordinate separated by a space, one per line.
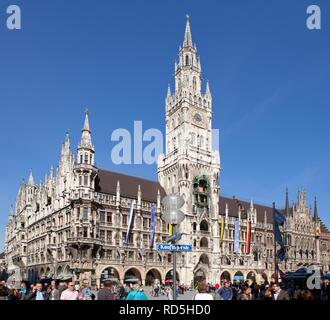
pixel 268 74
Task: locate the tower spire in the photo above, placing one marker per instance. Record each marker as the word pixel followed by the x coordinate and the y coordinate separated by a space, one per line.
pixel 31 179
pixel 316 214
pixel 287 209
pixel 86 138
pixel 187 42
pixel 169 90
pixel 208 91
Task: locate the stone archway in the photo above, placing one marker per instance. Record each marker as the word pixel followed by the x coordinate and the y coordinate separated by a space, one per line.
pixel 238 276
pixel 199 276
pixel 59 272
pixel 42 273
pixel 153 275
pixel 169 276
pixel 225 276
pixel 48 273
pixel 110 273
pixel 132 275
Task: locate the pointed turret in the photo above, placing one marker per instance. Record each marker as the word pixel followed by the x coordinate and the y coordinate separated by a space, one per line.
pixel 287 208
pixel 316 214
pixel 168 90
pixel 11 211
pixel 51 175
pixel 187 42
pixel 208 91
pixel 251 205
pixel 86 138
pixel 31 179
pixel 118 193
pixel 139 196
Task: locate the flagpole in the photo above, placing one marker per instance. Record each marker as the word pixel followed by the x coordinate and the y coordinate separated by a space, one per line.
pixel 275 258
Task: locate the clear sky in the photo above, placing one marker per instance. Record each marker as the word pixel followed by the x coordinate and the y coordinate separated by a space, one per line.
pixel 269 76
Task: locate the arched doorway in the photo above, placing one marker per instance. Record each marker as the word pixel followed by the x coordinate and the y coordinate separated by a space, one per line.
pixel 152 276
pixel 48 273
pixel 199 276
pixel 238 276
pixel 169 276
pixel 251 276
pixel 204 259
pixel 59 273
pixel 225 276
pixel 132 275
pixel 111 274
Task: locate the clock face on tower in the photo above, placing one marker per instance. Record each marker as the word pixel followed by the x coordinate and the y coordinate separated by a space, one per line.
pixel 197 117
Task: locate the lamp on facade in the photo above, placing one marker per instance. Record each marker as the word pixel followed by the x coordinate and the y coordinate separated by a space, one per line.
pixel 173 216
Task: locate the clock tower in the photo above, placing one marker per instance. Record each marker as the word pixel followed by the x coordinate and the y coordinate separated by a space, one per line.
pixel 190 166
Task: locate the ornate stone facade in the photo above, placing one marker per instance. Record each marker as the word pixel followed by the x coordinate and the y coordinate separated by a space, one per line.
pixel 75 222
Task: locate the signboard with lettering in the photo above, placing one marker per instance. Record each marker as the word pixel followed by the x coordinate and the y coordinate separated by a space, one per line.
pixel 173 247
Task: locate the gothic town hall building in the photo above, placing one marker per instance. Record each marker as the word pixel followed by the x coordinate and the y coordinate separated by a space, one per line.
pixel 74 224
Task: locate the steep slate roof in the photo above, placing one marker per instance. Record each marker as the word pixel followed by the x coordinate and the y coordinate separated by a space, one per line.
pixel 106 182
pixel 324 228
pixel 233 209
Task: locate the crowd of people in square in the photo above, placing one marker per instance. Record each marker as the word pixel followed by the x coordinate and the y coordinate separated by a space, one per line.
pixel 264 291
pixel 226 290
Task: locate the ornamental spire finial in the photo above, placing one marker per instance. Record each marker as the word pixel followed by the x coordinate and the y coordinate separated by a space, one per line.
pixel 187 36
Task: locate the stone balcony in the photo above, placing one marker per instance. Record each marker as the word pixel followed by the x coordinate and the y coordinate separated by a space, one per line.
pixel 75 241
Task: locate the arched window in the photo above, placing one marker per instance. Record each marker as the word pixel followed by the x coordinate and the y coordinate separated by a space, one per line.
pixel 194 225
pixel 187 60
pixel 194 84
pixel 204 243
pixel 204 226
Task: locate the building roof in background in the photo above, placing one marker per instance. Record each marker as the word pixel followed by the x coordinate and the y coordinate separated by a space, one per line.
pixel 106 182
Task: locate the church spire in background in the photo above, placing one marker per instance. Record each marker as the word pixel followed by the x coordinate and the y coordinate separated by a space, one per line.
pixel 287 208
pixel 31 179
pixel 187 42
pixel 86 138
pixel 316 214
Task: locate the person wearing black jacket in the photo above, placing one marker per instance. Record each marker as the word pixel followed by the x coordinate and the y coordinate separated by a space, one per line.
pixel 4 291
pixel 37 293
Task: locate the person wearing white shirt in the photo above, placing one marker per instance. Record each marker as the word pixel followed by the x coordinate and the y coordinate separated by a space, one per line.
pixel 202 293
